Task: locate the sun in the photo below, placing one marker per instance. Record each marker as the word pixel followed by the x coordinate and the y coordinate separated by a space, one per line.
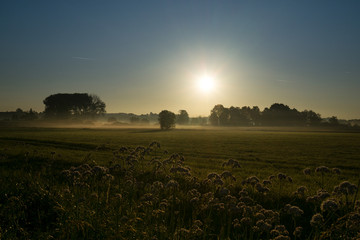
pixel 206 83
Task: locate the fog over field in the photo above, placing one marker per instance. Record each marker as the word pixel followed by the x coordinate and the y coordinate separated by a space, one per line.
pixel 180 120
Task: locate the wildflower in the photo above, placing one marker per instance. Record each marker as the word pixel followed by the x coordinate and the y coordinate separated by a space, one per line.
pixel 246 221
pixel 287 207
pixel 243 193
pixel 268 213
pixel 197 223
pixel 259 216
pixel 281 176
pixel 322 169
pixel 196 231
pixel 164 204
pixel 295 211
pixel 231 162
pixel 208 196
pixel 155 144
pixel 230 199
pixel 247 200
pixel 312 199
pixel 123 149
pixel 263 226
pixel 181 170
pixel 76 174
pixel 329 205
pixel 280 228
pixel 213 175
pixel 182 233
pixel 248 211
pixel 193 193
pixel 336 171
pixel 347 188
pixel 271 177
pixel 297 232
pixel 301 190
pixel 261 189
pixel 322 194
pixel 108 177
pixel 227 174
pixel 266 182
pixel 274 233
pixel 316 220
pixel 251 180
pixel 172 184
pixel 219 207
pixel 236 224
pixel 307 171
pixel 218 182
pixel 99 170
pixel 156 187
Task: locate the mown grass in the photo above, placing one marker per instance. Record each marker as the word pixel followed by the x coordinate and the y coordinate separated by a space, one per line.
pixel 111 184
pixel 260 152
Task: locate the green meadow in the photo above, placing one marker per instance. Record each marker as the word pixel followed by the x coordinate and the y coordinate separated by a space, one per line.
pixel 189 183
pixel 261 151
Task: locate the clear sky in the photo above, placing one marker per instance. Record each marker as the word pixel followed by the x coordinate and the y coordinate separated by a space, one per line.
pixel 146 56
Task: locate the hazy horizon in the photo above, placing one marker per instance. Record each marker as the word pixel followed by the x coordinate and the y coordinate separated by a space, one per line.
pixel 150 56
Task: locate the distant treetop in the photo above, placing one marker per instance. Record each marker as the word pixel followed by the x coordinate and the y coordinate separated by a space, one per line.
pixel 73 105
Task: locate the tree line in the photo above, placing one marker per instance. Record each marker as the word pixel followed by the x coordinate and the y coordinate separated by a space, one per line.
pixel 277 114
pixel 84 106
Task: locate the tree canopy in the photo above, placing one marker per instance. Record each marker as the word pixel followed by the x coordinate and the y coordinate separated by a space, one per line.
pixel 277 115
pixel 167 119
pixel 73 105
pixel 182 118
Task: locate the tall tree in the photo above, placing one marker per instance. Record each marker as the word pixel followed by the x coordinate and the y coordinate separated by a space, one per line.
pixel 167 119
pixel 79 105
pixel 239 116
pixel 182 118
pixel 219 115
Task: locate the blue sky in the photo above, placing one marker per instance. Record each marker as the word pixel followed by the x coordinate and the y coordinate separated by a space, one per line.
pixel 145 56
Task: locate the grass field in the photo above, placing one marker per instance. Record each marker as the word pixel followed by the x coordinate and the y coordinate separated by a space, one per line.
pixel 260 152
pixel 38 201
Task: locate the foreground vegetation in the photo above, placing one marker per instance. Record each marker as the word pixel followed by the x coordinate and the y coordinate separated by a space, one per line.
pixel 190 184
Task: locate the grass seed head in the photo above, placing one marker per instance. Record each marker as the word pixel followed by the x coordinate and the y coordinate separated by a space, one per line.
pixel 316 220
pixel 329 205
pixel 307 171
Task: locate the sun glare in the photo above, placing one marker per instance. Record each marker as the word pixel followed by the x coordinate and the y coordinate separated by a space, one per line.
pixel 206 83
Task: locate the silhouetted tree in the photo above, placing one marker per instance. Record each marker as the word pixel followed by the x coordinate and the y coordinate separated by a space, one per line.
pixel 166 119
pixel 311 118
pixel 279 114
pixel 78 105
pixel 19 114
pixel 219 115
pixel 334 121
pixel 255 116
pixel 239 116
pixel 182 118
